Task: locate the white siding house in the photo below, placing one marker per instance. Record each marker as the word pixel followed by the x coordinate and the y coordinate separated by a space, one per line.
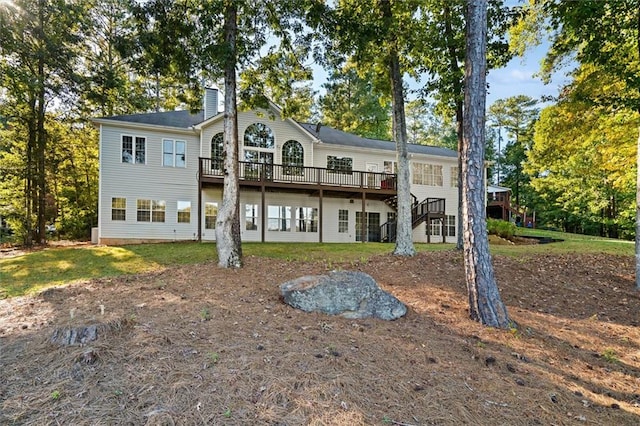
pixel 160 180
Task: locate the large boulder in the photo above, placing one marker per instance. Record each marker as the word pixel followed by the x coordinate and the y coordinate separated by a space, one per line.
pixel 349 294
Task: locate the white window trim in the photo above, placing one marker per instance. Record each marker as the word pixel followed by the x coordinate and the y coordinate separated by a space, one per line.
pixel 133 147
pixel 174 153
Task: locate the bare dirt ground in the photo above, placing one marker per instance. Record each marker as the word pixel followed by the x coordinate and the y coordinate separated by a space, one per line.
pixel 201 345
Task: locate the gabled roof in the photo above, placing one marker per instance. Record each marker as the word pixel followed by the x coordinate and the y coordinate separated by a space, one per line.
pixel 324 134
pixel 179 119
pixel 338 137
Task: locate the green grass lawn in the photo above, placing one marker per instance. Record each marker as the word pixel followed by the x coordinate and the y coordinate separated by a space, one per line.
pixel 33 272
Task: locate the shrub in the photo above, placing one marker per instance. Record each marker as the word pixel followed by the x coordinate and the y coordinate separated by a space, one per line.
pixel 501 228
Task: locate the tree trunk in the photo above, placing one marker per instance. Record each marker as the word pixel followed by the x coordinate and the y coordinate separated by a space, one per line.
pixel 485 304
pixel 404 230
pixel 40 131
pixel 404 233
pixel 228 243
pixel 638 170
pixel 460 133
pixel 454 60
pixel 638 213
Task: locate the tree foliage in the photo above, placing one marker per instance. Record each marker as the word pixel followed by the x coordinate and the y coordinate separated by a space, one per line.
pixel 515 117
pixel 582 161
pixel 40 46
pixel 354 104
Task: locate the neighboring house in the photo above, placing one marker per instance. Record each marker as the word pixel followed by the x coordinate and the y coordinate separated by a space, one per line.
pixel 161 180
pixel 499 206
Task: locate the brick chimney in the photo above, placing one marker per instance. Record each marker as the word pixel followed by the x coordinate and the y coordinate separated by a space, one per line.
pixel 210 102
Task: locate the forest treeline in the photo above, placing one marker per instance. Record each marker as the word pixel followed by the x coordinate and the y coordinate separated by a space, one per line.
pixel 571 158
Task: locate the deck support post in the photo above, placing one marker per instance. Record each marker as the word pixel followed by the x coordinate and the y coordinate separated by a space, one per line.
pixel 320 216
pixel 200 205
pixel 263 214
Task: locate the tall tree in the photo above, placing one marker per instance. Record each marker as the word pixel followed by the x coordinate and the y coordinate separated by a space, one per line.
pixel 604 33
pixel 213 39
pixel 485 304
pixel 40 44
pixel 443 23
pixel 380 34
pixel 113 83
pixel 228 241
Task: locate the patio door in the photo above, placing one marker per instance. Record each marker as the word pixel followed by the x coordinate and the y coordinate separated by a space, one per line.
pixel 372 227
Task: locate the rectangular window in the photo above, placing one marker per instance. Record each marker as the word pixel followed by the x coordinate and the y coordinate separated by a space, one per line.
pixel 343 221
pixel 454 176
pixel 181 154
pixel 450 226
pixel 127 149
pixel 342 165
pixel 151 211
pixel 435 228
pixel 184 211
pixel 158 209
pixel 167 152
pixel 144 210
pixel 426 174
pixel 359 226
pixel 391 216
pixel 279 218
pixel 251 217
pixel 173 153
pixel 134 154
pixel 307 219
pixel 118 208
pixel 210 215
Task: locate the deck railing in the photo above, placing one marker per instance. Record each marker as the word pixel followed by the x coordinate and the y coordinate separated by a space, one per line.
pixel 419 213
pixel 262 172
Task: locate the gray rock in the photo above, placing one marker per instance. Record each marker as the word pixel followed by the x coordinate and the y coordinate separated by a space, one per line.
pixel 349 294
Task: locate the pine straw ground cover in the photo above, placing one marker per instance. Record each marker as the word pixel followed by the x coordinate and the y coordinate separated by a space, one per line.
pixel 201 345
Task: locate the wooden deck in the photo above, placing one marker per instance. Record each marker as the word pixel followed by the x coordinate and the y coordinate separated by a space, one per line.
pixel 334 183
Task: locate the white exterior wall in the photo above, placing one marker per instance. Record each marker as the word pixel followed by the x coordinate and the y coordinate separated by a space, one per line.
pixel 329 216
pixel 283 130
pixel 151 181
pixel 154 181
pixel 446 191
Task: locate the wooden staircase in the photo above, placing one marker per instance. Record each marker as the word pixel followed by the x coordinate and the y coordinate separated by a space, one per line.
pixel 427 210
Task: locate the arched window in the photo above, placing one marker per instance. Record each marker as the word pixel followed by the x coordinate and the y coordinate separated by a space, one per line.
pixel 217 151
pixel 259 135
pixel 292 158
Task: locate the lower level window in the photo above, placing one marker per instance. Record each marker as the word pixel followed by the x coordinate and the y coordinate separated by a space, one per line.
pixel 435 227
pixel 184 211
pixel 151 211
pixel 118 208
pixel 450 226
pixel 343 221
pixel 251 217
pixel 307 219
pixel 210 215
pixel 279 218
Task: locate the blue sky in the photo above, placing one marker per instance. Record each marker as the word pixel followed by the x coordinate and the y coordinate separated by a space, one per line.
pixel 519 78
